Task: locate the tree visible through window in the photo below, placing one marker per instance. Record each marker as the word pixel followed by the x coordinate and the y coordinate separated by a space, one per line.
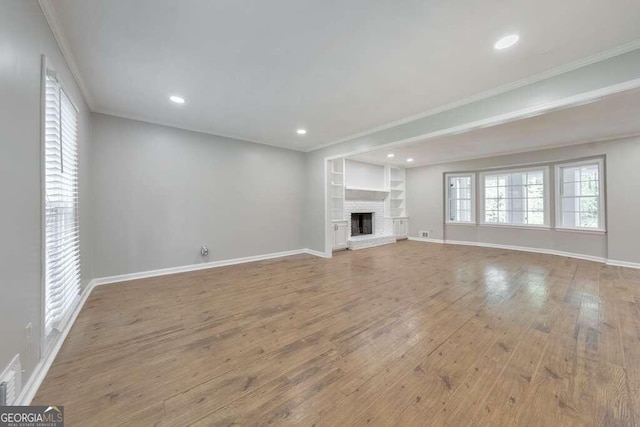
pixel 460 198
pixel 515 198
pixel 580 196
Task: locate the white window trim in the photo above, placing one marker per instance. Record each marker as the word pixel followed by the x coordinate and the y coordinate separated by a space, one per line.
pixel 447 196
pixel 546 201
pixel 48 340
pixel 601 197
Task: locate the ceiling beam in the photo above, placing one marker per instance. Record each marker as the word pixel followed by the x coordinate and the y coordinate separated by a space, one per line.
pixel 575 87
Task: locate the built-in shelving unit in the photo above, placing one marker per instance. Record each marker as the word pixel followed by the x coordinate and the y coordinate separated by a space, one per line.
pixel 353 186
pixel 336 172
pixel 397 192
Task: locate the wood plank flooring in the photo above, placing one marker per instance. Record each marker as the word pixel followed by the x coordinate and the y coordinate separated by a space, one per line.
pixel 405 334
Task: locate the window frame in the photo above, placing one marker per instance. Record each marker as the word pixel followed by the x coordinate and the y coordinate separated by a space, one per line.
pixel 559 173
pixel 50 338
pixel 447 196
pixel 546 206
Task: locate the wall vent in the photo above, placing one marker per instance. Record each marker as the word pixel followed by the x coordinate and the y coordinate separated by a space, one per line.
pixel 11 380
pixel 424 234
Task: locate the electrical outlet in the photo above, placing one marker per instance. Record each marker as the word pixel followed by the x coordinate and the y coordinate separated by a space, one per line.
pixel 28 338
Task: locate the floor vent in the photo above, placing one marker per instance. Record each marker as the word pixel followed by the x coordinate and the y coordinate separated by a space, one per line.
pixel 424 234
pixel 11 382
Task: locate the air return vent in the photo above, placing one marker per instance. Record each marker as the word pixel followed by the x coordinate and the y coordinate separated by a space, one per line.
pixel 11 382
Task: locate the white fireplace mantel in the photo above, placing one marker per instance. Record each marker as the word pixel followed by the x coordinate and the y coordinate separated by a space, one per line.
pixel 373 194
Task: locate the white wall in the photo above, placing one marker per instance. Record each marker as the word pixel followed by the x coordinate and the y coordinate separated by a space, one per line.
pixel 163 192
pixel 425 198
pixel 363 175
pixel 24 37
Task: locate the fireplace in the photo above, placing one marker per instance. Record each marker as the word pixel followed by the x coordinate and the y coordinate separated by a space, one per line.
pixel 361 223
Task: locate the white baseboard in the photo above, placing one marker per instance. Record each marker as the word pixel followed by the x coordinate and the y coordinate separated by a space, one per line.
pixel 202 266
pixel 607 261
pixel 316 253
pixel 528 249
pixel 533 250
pixel 623 263
pixel 32 385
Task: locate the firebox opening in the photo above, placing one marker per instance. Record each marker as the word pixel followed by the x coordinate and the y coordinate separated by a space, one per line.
pixel 361 223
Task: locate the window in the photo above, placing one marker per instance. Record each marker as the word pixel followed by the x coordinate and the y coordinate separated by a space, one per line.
pixel 515 197
pixel 461 198
pixel 579 196
pixel 62 245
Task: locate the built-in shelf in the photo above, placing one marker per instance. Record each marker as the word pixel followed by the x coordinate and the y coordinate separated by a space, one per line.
pixel 336 167
pixel 376 190
pixel 397 207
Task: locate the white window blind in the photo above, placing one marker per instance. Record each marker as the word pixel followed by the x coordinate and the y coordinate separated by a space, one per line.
pixel 62 243
pixel 514 197
pixel 580 204
pixel 461 198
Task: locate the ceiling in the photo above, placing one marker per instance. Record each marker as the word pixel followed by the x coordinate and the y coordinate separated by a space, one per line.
pixel 614 116
pixel 258 70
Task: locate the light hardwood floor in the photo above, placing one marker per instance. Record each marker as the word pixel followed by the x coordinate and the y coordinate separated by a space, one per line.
pixel 405 334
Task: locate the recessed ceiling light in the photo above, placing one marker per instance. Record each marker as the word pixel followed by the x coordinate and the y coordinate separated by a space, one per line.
pixel 301 131
pixel 177 99
pixel 410 159
pixel 390 155
pixel 507 41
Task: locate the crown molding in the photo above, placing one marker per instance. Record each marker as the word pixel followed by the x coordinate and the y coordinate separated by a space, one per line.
pixel 610 53
pixel 53 20
pixel 168 124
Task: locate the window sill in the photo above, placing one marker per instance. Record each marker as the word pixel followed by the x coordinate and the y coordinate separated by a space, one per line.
pixel 581 230
pixel 517 227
